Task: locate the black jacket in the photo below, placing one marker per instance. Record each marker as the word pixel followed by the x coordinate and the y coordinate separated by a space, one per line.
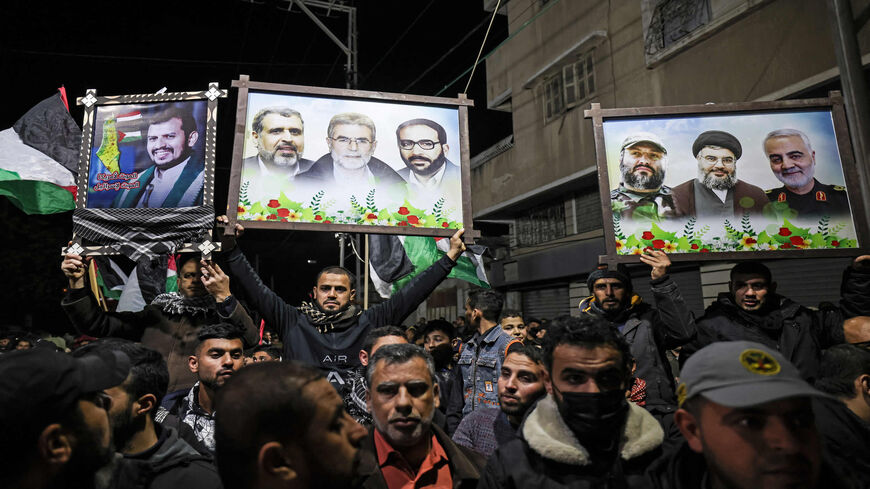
pixel 846 438
pixel 651 331
pixel 797 332
pixel 169 464
pixel 549 456
pixel 465 464
pixel 335 352
pixel 684 469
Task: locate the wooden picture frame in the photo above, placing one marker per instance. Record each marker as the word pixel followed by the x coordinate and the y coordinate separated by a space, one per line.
pixel 274 186
pixel 675 205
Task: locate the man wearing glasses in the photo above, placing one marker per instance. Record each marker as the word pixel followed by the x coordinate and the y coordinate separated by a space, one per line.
pixel 716 192
pixel 352 141
pixel 423 147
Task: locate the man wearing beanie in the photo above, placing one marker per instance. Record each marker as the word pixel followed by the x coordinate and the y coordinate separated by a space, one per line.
pixel 716 192
pixel 650 331
pixel 747 419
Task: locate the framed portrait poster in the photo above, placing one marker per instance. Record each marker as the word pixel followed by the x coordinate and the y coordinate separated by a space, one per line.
pixel 729 181
pixel 349 161
pixel 146 172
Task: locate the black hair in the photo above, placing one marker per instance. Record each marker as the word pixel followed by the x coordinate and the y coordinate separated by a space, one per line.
pixel 529 350
pixel 400 353
pixel 339 271
pixel 376 333
pixel 751 268
pixel 262 402
pixel 182 258
pixel 488 301
pixel 439 325
pixel 183 112
pixel 509 313
pixel 840 366
pixel 587 332
pixel 271 350
pixel 148 371
pixel 442 134
pixel 221 331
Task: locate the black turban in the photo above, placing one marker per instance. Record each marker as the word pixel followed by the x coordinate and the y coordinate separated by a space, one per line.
pixel 717 138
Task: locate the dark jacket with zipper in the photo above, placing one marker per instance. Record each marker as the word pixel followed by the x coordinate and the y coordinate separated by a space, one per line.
pixel 465 464
pixel 650 332
pixel 334 349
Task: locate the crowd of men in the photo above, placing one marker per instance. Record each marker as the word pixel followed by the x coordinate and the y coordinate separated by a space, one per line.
pixel 759 391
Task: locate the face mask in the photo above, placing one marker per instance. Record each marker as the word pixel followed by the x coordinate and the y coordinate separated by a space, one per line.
pixel 442 354
pixel 595 418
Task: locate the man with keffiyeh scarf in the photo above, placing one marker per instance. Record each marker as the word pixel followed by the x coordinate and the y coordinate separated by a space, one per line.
pixel 329 332
pixel 171 322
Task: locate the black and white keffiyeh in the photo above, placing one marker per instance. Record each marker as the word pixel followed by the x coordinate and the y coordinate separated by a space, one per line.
pixel 326 322
pixel 173 303
pixel 143 232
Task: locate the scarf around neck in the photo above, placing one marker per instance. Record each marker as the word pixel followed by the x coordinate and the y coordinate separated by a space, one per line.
pixel 174 303
pixel 326 322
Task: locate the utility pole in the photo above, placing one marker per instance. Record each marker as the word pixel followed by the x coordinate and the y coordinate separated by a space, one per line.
pixel 349 48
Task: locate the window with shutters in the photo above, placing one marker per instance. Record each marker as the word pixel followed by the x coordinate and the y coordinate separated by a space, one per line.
pixel 570 87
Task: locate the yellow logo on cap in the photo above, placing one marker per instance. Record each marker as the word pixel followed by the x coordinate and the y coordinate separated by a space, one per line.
pixel 682 390
pixel 759 362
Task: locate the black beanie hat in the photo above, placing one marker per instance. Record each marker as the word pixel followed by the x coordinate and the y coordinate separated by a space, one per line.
pixel 604 272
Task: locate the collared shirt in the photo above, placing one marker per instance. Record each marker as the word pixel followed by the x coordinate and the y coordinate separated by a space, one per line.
pixel 160 185
pixel 265 184
pixel 480 363
pixel 434 472
pixel 292 171
pixel 430 184
pixel 713 203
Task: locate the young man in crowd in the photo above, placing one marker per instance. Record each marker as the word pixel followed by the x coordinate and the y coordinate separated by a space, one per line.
pixel 585 434
pixel 522 382
pixel 153 455
pixel 410 450
pixel 439 339
pixel 265 353
pixel 512 323
pixel 357 388
pixel 747 419
pixel 282 425
pixel 481 357
pixel 218 355
pixel 54 424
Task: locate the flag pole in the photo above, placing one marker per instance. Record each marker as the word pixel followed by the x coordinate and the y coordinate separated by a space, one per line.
pixel 366 272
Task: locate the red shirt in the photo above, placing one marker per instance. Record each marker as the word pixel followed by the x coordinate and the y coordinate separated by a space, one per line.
pixel 434 472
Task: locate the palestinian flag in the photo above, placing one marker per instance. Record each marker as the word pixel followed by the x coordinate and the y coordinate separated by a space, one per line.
pixel 33 180
pixel 132 135
pixel 133 285
pixel 395 260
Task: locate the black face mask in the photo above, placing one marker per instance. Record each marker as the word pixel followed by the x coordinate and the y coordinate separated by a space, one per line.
pixel 443 355
pixel 595 418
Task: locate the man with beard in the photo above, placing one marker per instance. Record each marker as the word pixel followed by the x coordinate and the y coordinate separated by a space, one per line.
pixel 440 341
pixel 584 434
pixel 176 179
pixel 171 322
pixel 349 163
pixel 153 455
pixel 356 388
pixel 53 419
pixel 751 310
pixel 716 192
pixel 410 450
pixel 522 382
pixel 283 426
pixel 649 330
pixel 642 193
pixel 279 136
pixel 329 331
pixel 218 355
pixel 747 419
pixel 423 147
pixel 793 162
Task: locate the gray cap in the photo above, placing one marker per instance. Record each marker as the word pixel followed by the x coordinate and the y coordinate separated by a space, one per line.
pixel 643 137
pixel 740 374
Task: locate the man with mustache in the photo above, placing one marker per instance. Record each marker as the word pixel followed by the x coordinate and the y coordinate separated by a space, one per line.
pixel 423 147
pixel 278 134
pixel 793 162
pixel 218 355
pixel 282 425
pixel 747 419
pixel 176 179
pixel 410 450
pixel 716 192
pixel 642 194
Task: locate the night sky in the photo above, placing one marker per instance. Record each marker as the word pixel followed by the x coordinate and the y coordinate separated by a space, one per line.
pixel 139 47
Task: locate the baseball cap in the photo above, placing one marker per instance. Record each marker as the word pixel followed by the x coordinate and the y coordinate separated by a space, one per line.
pixel 643 137
pixel 43 383
pixel 741 374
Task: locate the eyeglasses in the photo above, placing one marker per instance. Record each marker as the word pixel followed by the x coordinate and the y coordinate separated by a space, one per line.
pixel 344 141
pixel 726 160
pixel 423 144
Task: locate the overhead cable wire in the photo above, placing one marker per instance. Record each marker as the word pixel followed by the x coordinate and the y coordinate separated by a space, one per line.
pixel 482 44
pixel 398 40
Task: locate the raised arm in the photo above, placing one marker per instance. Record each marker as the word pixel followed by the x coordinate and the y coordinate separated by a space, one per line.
pixel 217 283
pixel 675 324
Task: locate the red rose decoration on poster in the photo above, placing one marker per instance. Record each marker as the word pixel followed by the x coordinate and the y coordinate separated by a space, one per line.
pixel 694 246
pixel 648 235
pixel 318 218
pixel 784 232
pixel 658 244
pixel 403 223
pixel 835 243
pixel 445 224
pixel 272 217
pixel 273 203
pixel 413 220
pixel 283 212
pixel 796 240
pixel 403 211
